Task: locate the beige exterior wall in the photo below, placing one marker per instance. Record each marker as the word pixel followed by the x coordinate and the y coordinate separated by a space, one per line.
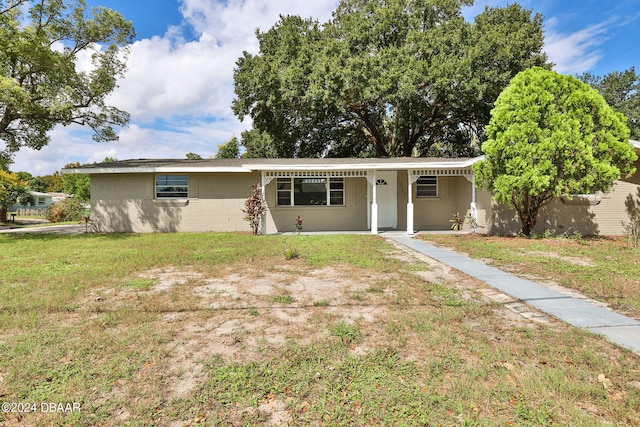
pixel 454 195
pixel 599 215
pixel 350 217
pixel 126 202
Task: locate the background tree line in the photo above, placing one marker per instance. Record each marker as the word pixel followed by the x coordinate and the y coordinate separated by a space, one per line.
pixel 392 78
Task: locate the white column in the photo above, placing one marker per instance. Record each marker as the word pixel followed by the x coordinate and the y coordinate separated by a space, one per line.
pixel 410 203
pixel 263 185
pixel 374 205
pixel 473 209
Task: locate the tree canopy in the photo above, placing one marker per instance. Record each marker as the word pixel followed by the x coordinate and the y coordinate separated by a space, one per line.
pixel 78 185
pixel 229 150
pixel 621 90
pixel 40 83
pixel 382 78
pixel 551 135
pixel 11 188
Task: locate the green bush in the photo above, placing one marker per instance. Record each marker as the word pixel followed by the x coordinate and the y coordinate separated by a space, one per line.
pixel 67 210
pixel 290 254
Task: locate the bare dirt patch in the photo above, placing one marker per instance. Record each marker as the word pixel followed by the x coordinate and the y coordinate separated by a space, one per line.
pixel 240 319
pixel 244 318
pixel 583 262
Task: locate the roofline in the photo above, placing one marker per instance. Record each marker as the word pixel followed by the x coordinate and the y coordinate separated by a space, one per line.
pixel 636 144
pixel 365 166
pixel 251 166
pixel 159 169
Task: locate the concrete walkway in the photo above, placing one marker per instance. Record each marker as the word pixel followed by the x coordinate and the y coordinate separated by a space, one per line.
pixel 619 329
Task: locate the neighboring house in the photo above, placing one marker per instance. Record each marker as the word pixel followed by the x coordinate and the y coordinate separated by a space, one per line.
pixel 408 194
pixel 39 201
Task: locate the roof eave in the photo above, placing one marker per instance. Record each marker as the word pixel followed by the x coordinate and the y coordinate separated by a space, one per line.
pixel 365 166
pixel 293 166
pixel 159 169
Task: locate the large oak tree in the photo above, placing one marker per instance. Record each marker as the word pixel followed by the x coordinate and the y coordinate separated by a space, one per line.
pixel 40 83
pixel 551 135
pixel 382 78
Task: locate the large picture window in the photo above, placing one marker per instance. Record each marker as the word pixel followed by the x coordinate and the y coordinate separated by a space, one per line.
pixel 310 191
pixel 172 186
pixel 427 187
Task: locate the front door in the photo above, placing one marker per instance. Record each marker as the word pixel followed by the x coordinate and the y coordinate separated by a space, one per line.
pixel 387 197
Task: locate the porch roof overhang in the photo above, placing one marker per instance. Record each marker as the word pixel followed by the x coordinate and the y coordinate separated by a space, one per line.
pixel 328 165
pixel 365 164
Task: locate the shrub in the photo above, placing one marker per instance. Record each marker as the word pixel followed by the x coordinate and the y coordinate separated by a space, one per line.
pixel 632 228
pixel 67 210
pixel 298 224
pixel 255 208
pixel 290 254
pixel 457 221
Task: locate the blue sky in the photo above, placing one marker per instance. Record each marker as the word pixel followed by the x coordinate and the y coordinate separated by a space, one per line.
pixel 179 84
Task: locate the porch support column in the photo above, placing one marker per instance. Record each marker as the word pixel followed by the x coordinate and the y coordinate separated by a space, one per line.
pixel 264 181
pixel 473 208
pixel 371 177
pixel 411 178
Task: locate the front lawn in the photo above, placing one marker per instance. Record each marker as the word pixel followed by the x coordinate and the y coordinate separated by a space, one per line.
pixel 224 329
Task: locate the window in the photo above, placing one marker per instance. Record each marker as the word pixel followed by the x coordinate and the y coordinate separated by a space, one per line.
pixel 336 194
pixel 284 191
pixel 172 186
pixel 41 201
pixel 427 186
pixel 310 191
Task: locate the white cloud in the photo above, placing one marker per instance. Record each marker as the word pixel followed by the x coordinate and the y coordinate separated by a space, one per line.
pixel 166 80
pixel 577 52
pixel 169 76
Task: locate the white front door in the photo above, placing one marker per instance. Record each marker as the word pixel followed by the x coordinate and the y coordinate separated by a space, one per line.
pixel 387 197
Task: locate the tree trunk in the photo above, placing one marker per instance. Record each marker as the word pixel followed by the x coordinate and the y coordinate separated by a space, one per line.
pixel 3 213
pixel 528 212
pixel 528 223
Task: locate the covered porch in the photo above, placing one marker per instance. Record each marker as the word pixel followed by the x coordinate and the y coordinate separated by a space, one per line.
pixel 369 194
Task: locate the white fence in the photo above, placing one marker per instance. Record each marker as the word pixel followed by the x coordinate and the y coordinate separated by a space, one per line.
pixel 30 211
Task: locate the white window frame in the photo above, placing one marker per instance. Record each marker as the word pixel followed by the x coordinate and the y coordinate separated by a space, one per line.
pixel 337 191
pixel 427 186
pixel 182 192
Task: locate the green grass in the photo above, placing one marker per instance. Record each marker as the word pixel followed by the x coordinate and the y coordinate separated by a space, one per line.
pixel 347 332
pixel 283 299
pixel 82 319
